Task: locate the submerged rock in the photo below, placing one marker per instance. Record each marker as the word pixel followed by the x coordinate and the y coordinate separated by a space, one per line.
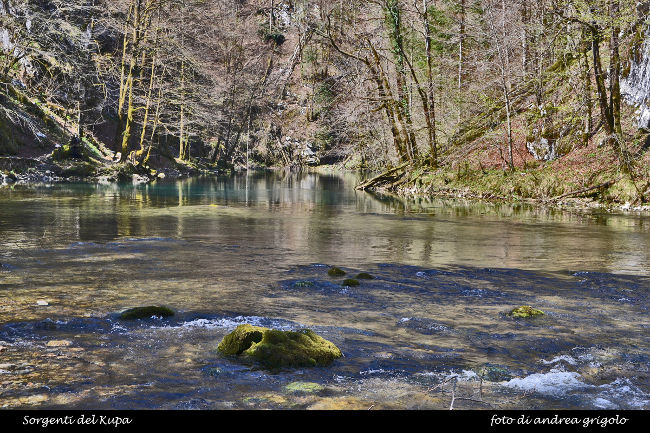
pixel 350 282
pixel 304 387
pixel 146 312
pixel 525 311
pixel 364 276
pixel 277 349
pixel 493 373
pixel 343 403
pixel 59 343
pixel 265 398
pixel 335 272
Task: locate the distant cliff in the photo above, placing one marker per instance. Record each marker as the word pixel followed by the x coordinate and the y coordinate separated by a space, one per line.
pixel 635 87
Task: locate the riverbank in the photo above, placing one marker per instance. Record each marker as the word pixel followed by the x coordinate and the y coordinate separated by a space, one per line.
pixel 551 184
pixel 47 169
pixel 589 178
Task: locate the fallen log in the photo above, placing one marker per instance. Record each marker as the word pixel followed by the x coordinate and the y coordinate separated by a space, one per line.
pixel 389 176
pixel 582 191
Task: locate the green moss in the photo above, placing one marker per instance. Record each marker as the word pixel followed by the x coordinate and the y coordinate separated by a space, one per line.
pixel 303 284
pixel 335 272
pixel 146 312
pixel 277 349
pixel 350 282
pixel 622 191
pixel 92 148
pixel 525 311
pixel 364 276
pixel 241 339
pixel 61 153
pixel 304 387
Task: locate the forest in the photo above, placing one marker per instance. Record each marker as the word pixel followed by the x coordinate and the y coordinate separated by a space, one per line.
pixel 324 204
pixel 486 98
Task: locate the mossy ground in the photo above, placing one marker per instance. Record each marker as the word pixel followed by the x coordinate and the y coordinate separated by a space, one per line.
pixel 480 171
pixel 279 349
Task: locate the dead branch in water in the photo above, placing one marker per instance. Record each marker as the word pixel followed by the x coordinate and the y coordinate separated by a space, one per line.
pixel 390 176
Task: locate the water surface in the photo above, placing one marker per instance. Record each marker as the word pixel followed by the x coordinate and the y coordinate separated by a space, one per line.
pixel 256 249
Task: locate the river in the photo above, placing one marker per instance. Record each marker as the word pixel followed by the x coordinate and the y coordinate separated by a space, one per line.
pixel 430 328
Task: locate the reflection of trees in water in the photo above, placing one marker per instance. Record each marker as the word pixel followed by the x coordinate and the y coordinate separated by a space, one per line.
pixel 324 217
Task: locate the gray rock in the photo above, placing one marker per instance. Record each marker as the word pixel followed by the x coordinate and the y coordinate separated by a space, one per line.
pixel 635 87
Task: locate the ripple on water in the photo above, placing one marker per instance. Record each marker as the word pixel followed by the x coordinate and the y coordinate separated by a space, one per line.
pixel 424 326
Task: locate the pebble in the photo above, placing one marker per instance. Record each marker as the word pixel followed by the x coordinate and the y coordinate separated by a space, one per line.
pixel 42 303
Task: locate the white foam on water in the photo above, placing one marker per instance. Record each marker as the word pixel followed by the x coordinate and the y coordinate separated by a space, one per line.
pixel 602 403
pixel 622 394
pixel 566 358
pixel 469 375
pixel 555 382
pixel 427 373
pixel 377 371
pixel 230 323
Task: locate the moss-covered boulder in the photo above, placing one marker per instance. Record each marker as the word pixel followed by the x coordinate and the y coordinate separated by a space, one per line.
pixel 241 339
pixel 277 349
pixel 524 312
pixel 364 276
pixel 335 272
pixel 146 312
pixel 350 282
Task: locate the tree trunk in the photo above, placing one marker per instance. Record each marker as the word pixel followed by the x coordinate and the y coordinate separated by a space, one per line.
pixel 615 68
pixel 461 42
pixel 605 112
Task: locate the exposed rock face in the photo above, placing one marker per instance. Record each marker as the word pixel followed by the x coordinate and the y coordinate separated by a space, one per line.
pixel 635 87
pixel 542 149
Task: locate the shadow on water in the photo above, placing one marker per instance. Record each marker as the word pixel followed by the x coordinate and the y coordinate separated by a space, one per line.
pixel 256 249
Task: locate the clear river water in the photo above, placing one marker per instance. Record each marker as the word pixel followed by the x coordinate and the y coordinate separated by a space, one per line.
pixel 430 331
